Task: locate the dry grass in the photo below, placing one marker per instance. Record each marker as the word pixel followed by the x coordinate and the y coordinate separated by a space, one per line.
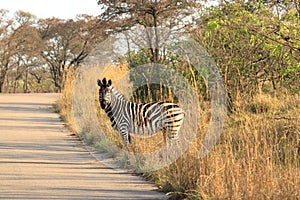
pixel 64 103
pixel 257 156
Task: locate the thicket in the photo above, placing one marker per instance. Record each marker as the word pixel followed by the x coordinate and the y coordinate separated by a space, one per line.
pixel 256 46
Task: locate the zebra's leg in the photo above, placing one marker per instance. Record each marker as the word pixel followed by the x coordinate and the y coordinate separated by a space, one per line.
pixel 164 131
pixel 174 128
pixel 126 140
pixel 125 135
pixel 170 151
pixel 173 136
pixel 129 138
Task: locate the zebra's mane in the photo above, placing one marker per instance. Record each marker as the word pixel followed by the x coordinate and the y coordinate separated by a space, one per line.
pixel 118 95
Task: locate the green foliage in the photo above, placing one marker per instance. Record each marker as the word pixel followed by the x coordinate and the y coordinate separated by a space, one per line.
pixel 148 92
pixel 163 91
pixel 253 45
pixel 137 58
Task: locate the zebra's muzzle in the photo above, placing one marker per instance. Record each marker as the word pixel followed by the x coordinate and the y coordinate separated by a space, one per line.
pixel 103 105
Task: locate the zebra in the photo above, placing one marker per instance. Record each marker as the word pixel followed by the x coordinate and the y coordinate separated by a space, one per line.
pixel 128 117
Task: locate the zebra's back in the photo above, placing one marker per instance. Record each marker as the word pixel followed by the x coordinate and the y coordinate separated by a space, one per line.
pixel 147 119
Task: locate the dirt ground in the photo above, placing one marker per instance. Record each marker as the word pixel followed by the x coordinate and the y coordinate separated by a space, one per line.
pixel 39 159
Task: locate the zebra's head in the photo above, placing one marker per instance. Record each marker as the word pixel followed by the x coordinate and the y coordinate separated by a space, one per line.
pixel 104 92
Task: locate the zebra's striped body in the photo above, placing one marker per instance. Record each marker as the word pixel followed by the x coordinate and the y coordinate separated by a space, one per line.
pixel 142 119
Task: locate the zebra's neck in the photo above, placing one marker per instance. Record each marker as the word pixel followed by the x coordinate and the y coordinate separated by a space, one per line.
pixel 117 96
pixel 117 100
pixel 115 108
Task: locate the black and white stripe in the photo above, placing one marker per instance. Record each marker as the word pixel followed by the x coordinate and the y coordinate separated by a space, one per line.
pixel 142 119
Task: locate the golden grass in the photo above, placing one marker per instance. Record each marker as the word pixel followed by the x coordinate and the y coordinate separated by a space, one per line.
pixel 115 72
pixel 257 156
pixel 64 102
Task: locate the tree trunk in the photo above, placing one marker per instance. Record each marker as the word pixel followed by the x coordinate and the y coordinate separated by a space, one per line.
pixel 26 80
pixel 1 85
pixel 2 79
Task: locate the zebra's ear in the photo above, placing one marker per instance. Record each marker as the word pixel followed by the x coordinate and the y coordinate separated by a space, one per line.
pixel 99 83
pixel 109 83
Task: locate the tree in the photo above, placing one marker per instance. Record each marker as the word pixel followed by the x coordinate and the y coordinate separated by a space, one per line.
pixel 19 46
pixel 255 49
pixel 67 43
pixel 5 46
pixel 151 15
pixel 28 45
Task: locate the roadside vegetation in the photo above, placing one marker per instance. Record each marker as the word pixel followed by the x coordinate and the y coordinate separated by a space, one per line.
pixel 257 156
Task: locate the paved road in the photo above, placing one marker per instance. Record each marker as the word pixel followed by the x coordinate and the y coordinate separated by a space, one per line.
pixel 40 160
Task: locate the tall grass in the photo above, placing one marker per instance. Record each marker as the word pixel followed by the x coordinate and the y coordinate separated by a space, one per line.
pixel 64 102
pixel 257 156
